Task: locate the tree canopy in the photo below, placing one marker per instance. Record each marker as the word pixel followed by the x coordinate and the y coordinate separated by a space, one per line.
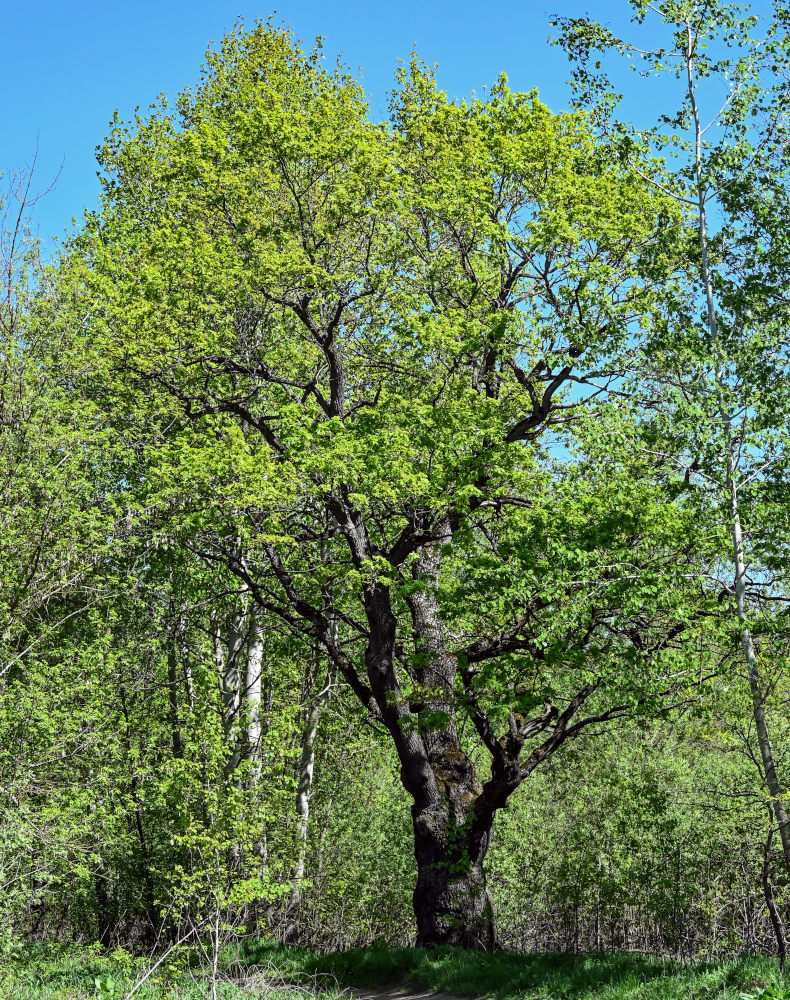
pixel 461 433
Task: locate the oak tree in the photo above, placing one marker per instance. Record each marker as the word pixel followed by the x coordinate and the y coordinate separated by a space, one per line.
pixel 370 356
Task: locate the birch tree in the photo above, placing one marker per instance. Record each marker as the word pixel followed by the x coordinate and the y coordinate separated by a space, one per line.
pixel 720 352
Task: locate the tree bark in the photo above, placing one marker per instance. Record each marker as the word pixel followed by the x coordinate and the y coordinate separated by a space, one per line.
pixel 452 904
pixel 253 746
pixel 316 703
pixel 253 687
pixel 229 669
pixel 770 901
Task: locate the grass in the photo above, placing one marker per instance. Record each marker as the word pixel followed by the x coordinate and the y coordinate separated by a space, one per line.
pixel 261 969
pixel 509 976
pixel 51 972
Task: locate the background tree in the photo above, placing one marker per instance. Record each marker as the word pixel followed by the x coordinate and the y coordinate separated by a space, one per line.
pixel 58 522
pixel 719 355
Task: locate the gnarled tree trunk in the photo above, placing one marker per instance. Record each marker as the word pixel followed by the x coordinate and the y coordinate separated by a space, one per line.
pixel 452 904
pixel 451 834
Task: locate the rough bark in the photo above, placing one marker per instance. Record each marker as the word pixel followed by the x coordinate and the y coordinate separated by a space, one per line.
pixel 451 902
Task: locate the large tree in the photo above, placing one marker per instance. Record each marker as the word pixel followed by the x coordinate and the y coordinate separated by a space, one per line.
pixel 372 354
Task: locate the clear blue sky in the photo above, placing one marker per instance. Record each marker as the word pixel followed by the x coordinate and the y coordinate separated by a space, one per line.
pixel 67 66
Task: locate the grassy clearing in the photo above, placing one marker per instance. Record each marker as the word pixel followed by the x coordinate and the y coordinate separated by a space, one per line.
pixel 257 969
pixel 507 976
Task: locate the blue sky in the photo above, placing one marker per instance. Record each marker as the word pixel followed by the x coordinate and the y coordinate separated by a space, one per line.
pixel 67 66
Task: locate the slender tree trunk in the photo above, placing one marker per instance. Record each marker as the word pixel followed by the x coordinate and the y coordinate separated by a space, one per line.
pixel 316 704
pixel 770 902
pixel 189 686
pixel 228 658
pixel 253 690
pixel 598 907
pixel 172 695
pixel 144 866
pixel 303 793
pixel 775 788
pixel 314 708
pixel 232 680
pixel 253 685
pixel 106 912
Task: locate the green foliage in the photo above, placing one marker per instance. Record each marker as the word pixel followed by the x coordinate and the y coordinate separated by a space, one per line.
pixel 295 355
pixel 344 314
pixel 69 973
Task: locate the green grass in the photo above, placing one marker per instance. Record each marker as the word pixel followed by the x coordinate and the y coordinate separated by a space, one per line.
pixel 69 973
pixel 258 969
pixel 508 976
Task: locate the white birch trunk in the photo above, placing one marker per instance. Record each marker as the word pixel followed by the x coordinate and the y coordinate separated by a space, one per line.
pixel 229 670
pixel 253 686
pixel 230 675
pixel 314 710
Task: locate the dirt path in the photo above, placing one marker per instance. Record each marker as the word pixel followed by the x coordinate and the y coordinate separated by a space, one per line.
pixel 402 993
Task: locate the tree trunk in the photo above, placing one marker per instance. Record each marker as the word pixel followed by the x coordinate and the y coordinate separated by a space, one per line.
pixel 172 695
pixel 775 787
pixel 253 746
pixel 229 668
pixel 452 904
pixel 451 834
pixel 316 703
pixel 106 911
pixel 770 902
pixel 253 684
